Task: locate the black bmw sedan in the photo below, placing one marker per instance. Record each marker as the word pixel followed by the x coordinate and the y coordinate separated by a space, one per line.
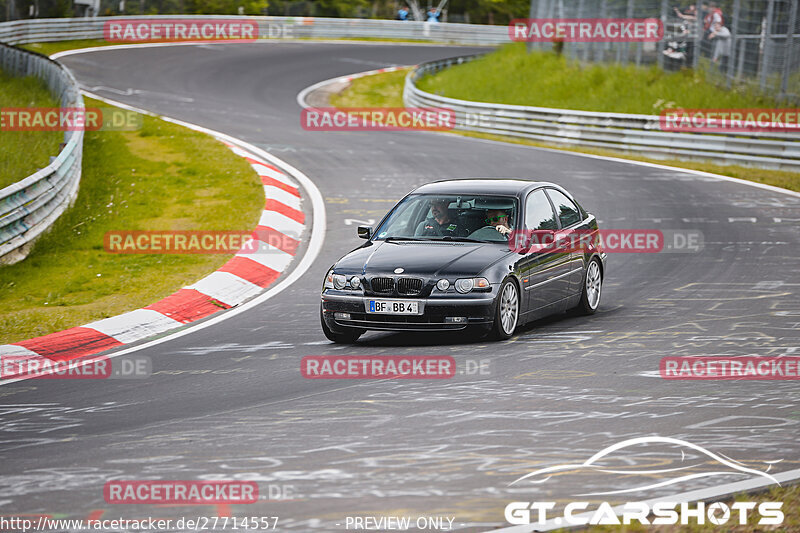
pixel 486 255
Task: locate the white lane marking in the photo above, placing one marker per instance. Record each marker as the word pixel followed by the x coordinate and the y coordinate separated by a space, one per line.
pixel 226 287
pixel 282 223
pixel 16 351
pixel 269 256
pixel 134 325
pixel 261 170
pixel 315 242
pixel 284 197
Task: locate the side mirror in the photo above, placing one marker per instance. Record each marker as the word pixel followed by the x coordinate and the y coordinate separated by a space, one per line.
pixel 532 241
pixel 364 232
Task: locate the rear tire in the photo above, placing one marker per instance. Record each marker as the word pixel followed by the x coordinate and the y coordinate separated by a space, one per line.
pixel 592 288
pixel 506 315
pixel 348 337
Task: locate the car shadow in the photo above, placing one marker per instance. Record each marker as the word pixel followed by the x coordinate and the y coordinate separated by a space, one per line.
pixel 414 338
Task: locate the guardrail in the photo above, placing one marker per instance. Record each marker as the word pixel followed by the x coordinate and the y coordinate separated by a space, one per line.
pixel 30 206
pixel 35 30
pixel 626 132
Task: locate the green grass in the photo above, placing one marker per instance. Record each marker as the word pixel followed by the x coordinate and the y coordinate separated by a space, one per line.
pixel 163 177
pixel 510 75
pixel 24 152
pixel 51 48
pixel 386 90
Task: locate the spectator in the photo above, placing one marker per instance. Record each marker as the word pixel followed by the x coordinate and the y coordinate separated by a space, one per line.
pixel 689 14
pixel 434 14
pixel 402 13
pixel 721 36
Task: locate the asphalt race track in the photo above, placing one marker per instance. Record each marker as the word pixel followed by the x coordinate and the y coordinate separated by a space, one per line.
pixel 228 402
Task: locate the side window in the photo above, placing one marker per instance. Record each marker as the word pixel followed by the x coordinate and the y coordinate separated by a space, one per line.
pixel 538 212
pixel 567 211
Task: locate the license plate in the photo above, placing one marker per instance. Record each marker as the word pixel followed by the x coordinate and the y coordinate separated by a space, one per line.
pixel 393 307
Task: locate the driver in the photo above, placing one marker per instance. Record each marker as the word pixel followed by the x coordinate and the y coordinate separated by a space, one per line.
pixel 498 218
pixel 441 223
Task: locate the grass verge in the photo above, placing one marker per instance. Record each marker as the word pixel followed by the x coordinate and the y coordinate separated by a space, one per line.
pixel 510 75
pixel 385 90
pixel 162 177
pixel 24 152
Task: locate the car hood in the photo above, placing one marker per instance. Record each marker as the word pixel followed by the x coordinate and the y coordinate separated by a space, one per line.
pixel 437 259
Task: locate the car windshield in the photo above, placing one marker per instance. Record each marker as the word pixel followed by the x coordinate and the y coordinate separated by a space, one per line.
pixel 466 217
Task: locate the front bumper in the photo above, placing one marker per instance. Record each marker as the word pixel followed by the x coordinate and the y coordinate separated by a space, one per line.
pixel 477 308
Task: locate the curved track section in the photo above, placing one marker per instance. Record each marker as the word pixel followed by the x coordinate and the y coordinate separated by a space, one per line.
pixel 229 400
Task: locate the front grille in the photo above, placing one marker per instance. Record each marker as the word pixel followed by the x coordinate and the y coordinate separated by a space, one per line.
pixel 382 285
pixel 409 286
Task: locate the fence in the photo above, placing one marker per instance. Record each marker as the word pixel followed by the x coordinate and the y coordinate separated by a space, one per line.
pixel 750 42
pixel 30 206
pixel 631 133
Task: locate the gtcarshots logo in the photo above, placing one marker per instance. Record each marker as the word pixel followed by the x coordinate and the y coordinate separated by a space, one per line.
pixel 621 459
pixel 664 513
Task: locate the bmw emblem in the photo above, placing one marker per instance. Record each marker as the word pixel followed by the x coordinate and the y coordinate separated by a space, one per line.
pixel 399 270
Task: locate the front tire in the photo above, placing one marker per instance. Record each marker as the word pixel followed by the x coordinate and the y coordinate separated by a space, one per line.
pixel 348 337
pixel 506 315
pixel 592 288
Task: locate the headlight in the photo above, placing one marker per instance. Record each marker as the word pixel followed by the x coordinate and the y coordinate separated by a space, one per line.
pixel 442 285
pixel 339 281
pixel 329 280
pixel 465 285
pixel 355 282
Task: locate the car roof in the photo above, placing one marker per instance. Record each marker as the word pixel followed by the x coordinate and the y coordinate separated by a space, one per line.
pixel 481 186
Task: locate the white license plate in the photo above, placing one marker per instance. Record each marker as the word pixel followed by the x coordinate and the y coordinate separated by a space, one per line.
pixel 393 307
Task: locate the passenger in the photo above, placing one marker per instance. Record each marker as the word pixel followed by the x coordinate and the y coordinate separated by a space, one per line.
pixel 441 223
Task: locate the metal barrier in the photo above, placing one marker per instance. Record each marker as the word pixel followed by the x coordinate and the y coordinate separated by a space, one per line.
pixel 36 30
pixel 625 132
pixel 30 206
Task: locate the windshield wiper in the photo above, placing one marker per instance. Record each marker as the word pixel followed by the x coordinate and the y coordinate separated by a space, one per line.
pixel 462 239
pixel 399 238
